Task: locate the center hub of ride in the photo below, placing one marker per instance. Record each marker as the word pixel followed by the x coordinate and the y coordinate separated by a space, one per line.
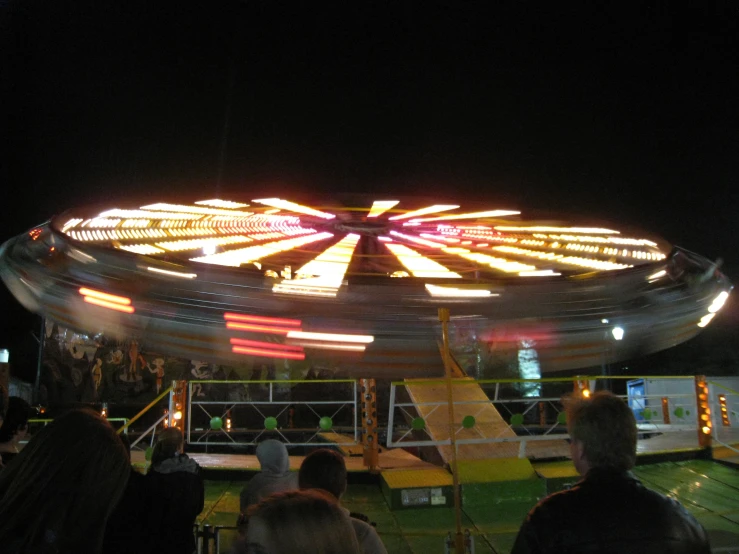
pixel 366 228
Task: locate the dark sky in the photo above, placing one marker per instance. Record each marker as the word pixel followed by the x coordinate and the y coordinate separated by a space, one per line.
pixel 626 112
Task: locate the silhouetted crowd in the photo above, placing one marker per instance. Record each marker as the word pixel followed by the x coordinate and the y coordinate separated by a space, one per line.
pixel 72 490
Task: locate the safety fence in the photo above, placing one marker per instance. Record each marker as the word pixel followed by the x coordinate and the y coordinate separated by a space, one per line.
pixel 724 402
pixel 301 412
pixel 527 417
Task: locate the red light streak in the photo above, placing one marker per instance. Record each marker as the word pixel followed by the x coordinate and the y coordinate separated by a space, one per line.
pixel 260 328
pixel 268 353
pixel 265 345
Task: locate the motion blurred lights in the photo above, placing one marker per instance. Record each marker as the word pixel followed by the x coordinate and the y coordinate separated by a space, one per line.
pixel 173 273
pixel 472 215
pixel 425 211
pixel 657 275
pixel 437 291
pixel 542 229
pixel 234 258
pixel 293 207
pixel 706 319
pixel 539 273
pixel 718 302
pixel 193 210
pixel 333 337
pixel 209 249
pixel 618 333
pixel 379 207
pixel 221 204
pixel 105 300
pixel 323 275
pixel 419 265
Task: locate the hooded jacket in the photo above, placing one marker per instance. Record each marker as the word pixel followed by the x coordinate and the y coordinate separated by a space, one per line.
pixel 178 496
pixel 610 512
pixel 275 475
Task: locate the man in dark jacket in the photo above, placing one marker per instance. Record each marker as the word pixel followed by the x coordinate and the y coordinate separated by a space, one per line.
pixel 609 511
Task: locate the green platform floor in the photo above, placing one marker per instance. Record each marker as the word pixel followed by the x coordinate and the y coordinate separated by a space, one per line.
pixel 709 490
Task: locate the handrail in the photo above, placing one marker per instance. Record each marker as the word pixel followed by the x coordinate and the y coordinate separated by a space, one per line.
pixel 715 384
pixel 142 412
pixel 542 380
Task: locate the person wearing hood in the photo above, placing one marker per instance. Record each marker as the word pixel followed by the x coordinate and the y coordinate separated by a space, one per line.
pixel 178 494
pixel 275 475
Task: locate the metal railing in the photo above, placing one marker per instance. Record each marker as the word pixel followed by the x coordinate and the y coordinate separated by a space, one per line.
pixel 524 420
pixel 273 406
pixel 724 402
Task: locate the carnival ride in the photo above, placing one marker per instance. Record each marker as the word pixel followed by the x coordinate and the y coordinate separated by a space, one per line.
pixel 360 285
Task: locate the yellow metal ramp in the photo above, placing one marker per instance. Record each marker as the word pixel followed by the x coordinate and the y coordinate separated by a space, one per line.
pixel 430 400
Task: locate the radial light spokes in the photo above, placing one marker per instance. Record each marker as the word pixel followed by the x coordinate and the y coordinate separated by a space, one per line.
pixel 472 215
pixel 436 208
pixel 323 275
pixel 216 203
pixel 418 264
pixel 293 207
pixel 379 207
pixel 235 258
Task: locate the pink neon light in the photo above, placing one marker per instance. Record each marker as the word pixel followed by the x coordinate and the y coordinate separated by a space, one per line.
pixel 228 316
pixel 268 345
pixel 261 328
pixel 268 353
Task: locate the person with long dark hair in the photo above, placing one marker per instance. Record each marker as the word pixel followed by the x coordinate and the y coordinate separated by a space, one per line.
pixel 178 494
pixel 14 428
pixel 57 494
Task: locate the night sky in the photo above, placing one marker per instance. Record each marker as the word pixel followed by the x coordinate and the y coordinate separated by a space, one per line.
pixel 627 113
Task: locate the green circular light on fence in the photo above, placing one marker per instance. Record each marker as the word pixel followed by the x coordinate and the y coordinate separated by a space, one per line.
pixel 418 424
pixel 517 419
pixel 325 423
pixel 562 418
pixel 216 423
pixel 270 423
pixel 679 412
pixel 148 454
pixel 468 422
pixel 647 414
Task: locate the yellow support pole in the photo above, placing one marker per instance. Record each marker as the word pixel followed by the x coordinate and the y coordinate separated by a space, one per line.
pixel 142 412
pixel 459 547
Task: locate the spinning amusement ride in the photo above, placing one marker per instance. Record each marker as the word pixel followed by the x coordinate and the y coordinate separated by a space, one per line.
pixel 229 282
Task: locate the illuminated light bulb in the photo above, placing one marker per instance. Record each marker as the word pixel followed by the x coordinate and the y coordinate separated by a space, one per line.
pixel 178 415
pixel 473 215
pixel 586 393
pixel 618 333
pixel 706 429
pixel 379 207
pixel 293 207
pixel 425 211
